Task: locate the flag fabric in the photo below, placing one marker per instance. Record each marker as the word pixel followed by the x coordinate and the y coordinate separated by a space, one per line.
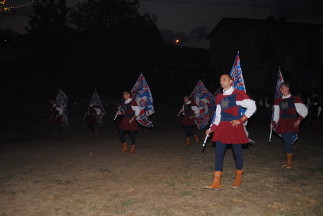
pixel 206 104
pixel 62 101
pixel 142 95
pixel 97 102
pixel 236 74
pixel 218 91
pixel 280 80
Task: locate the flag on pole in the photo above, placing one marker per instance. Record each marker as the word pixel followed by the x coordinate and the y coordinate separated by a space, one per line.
pixel 62 101
pixel 206 104
pixel 236 74
pixel 218 91
pixel 142 95
pixel 280 80
pixel 97 102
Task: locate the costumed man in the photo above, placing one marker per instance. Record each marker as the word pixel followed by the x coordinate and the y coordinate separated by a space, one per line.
pixel 228 128
pixel 190 111
pixel 118 118
pixel 130 113
pixel 286 108
pixel 92 114
pixel 55 120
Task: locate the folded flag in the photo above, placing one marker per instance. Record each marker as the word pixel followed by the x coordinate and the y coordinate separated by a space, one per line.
pixel 62 101
pixel 97 102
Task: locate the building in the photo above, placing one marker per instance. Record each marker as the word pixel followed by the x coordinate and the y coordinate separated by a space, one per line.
pixel 266 45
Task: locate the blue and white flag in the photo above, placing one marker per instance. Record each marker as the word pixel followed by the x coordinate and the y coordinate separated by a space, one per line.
pixel 142 95
pixel 206 104
pixel 62 101
pixel 97 102
pixel 236 74
pixel 280 80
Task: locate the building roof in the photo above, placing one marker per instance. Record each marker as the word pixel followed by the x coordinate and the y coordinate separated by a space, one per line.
pixel 270 20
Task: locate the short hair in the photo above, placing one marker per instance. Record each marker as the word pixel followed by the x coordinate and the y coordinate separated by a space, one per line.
pixel 287 85
pixel 188 97
pixel 128 92
pixel 227 75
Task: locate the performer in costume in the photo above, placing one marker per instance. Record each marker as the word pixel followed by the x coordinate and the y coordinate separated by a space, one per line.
pixel 190 111
pixel 228 128
pixel 286 108
pixel 118 119
pixel 131 111
pixel 55 120
pixel 92 118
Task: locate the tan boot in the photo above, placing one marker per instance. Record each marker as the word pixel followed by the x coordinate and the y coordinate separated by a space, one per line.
pixel 216 185
pixel 91 136
pixel 61 138
pixel 238 180
pixel 196 137
pixel 133 149
pixel 125 149
pixel 47 138
pixel 289 163
pixel 188 141
pixel 96 132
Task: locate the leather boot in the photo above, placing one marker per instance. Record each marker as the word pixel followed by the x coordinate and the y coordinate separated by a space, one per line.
pixel 95 132
pixel 91 136
pixel 61 138
pixel 238 180
pixel 289 163
pixel 125 149
pixel 216 185
pixel 133 149
pixel 196 137
pixel 188 141
pixel 47 138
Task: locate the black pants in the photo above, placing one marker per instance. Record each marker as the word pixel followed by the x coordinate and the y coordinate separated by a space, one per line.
pixel 116 127
pixel 50 129
pixel 188 130
pixel 91 127
pixel 123 137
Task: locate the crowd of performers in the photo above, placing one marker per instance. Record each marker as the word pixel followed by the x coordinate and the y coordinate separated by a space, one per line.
pixel 227 127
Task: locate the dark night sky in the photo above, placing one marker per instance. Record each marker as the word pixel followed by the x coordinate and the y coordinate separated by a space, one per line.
pixel 192 20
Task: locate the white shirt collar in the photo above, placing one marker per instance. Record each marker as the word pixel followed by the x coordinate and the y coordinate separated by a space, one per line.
pixel 128 100
pixel 229 91
pixel 188 102
pixel 287 96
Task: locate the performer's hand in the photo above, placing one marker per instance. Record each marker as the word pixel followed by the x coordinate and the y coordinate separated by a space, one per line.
pixel 271 127
pixel 297 123
pixel 131 120
pixel 119 112
pixel 235 123
pixel 208 132
pixel 182 110
pixel 191 117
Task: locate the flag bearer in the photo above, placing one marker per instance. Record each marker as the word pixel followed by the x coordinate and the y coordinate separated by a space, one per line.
pixel 285 118
pixel 130 113
pixel 55 120
pixel 92 113
pixel 228 128
pixel 190 111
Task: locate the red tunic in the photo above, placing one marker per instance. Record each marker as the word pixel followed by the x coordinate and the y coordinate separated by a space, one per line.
pixel 188 112
pixel 92 116
pixel 287 114
pixel 128 114
pixel 55 119
pixel 230 111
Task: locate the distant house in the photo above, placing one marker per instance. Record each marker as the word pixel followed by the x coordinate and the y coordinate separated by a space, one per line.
pixel 265 45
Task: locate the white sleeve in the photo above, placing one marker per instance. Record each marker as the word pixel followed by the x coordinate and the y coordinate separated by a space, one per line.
pixel 196 110
pixel 319 111
pixel 250 105
pixel 217 115
pixel 183 113
pixel 97 111
pixel 301 109
pixel 60 110
pixel 136 109
pixel 276 113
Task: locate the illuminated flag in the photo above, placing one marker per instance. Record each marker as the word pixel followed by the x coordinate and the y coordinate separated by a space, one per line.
pixel 206 104
pixel 236 74
pixel 97 102
pixel 142 95
pixel 62 101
